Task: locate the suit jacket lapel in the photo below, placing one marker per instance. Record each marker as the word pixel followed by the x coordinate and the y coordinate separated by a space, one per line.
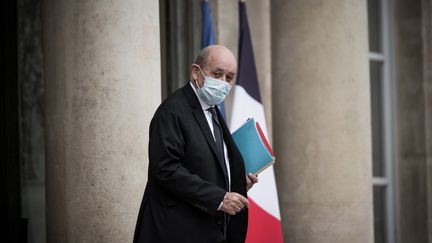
pixel 199 116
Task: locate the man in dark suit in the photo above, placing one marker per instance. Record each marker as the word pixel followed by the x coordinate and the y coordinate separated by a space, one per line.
pixel 196 188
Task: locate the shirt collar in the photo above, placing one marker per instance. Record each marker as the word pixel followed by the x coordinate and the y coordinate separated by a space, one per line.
pixel 204 105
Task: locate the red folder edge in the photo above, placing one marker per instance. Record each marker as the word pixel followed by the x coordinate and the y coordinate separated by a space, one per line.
pixel 263 138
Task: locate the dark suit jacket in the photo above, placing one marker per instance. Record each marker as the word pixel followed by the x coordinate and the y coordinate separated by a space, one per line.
pixel 186 179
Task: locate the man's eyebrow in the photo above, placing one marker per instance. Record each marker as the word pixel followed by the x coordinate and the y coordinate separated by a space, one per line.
pixel 223 70
pixel 219 69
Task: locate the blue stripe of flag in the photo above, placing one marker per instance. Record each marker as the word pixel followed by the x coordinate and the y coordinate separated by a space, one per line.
pixel 208 36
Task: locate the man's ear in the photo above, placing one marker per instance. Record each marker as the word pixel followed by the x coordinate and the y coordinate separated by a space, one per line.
pixel 194 71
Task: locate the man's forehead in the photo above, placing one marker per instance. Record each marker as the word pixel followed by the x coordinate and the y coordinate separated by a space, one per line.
pixel 222 63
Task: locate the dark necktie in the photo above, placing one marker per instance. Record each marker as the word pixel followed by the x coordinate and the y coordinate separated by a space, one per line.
pixel 217 130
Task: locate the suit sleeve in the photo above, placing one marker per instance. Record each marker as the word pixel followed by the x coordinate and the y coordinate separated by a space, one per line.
pixel 165 151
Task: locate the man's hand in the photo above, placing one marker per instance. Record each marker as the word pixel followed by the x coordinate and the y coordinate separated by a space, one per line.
pixel 234 203
pixel 251 179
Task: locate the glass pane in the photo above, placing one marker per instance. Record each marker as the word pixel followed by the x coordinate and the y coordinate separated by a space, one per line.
pixel 374 25
pixel 379 214
pixel 377 118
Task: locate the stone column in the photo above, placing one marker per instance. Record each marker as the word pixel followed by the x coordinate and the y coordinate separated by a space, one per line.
pixel 102 83
pixel 321 120
pixel 427 70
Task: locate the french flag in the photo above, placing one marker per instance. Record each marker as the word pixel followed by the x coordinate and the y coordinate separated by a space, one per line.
pixel 264 215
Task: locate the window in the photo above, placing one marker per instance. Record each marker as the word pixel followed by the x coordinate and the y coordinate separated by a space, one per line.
pixel 382 112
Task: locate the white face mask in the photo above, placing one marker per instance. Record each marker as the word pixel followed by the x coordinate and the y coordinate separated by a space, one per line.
pixel 213 91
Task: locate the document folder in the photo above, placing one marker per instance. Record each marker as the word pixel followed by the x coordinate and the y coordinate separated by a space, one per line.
pixel 254 147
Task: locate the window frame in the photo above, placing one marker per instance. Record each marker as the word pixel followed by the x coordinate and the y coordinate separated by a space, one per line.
pixel 388 122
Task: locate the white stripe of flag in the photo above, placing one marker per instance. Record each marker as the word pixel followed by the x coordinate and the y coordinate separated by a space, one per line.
pixel 264 215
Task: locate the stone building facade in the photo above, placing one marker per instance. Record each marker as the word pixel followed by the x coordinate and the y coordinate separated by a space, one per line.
pixel 346 86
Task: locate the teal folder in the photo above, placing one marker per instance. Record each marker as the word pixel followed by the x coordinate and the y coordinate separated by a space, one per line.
pixel 253 146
